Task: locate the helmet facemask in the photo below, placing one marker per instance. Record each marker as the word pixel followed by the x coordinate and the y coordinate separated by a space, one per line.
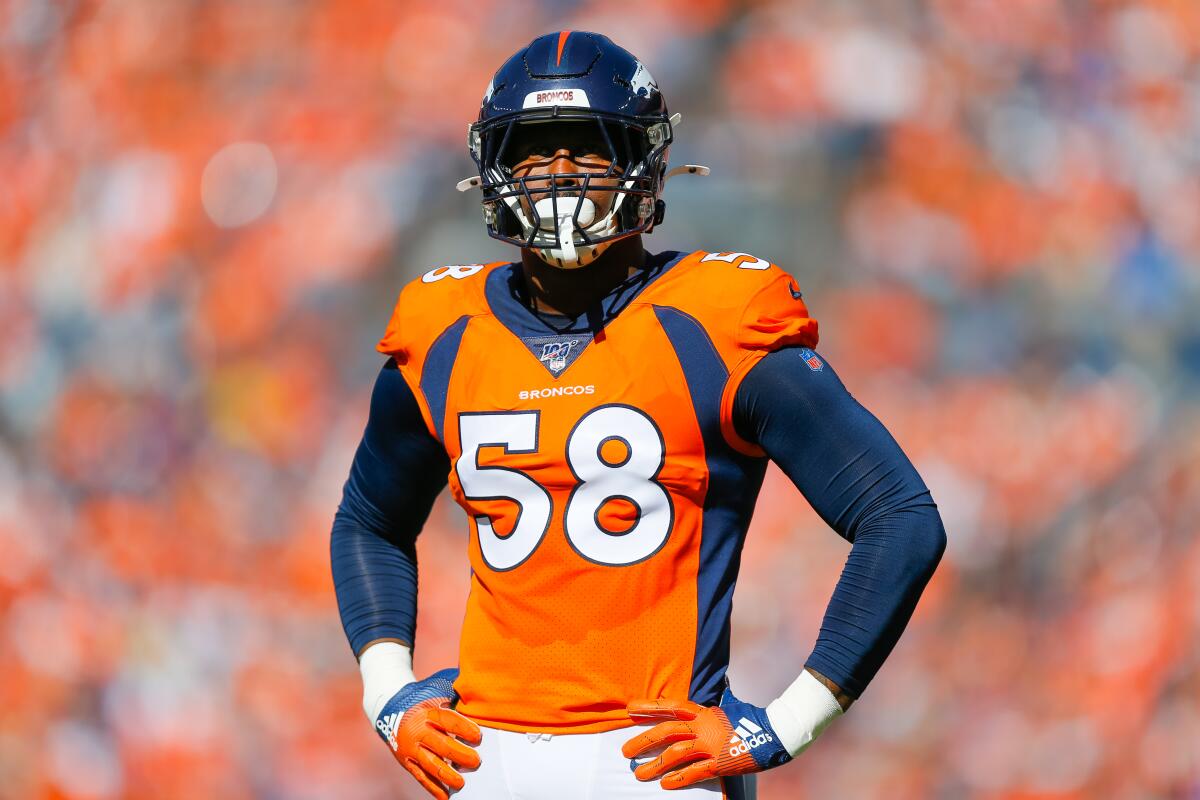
pixel 552 214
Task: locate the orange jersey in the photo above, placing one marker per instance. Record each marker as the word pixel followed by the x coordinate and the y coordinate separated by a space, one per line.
pixel 607 493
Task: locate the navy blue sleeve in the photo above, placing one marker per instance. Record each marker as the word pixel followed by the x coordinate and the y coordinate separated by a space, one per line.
pixel 859 481
pixel 398 470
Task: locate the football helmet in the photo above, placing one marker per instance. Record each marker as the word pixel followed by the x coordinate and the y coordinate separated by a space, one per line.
pixel 609 97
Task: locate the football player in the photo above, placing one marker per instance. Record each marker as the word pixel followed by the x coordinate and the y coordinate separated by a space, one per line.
pixel 604 416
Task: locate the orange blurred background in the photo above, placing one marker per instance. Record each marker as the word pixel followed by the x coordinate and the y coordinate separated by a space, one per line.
pixel 993 207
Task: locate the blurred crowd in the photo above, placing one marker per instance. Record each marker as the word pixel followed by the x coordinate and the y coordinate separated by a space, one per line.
pixel 208 206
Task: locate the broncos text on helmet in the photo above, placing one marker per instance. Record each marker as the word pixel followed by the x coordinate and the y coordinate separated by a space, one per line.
pixel 613 104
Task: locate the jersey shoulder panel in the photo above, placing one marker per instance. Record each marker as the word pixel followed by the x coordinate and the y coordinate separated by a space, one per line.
pixel 747 306
pixel 431 304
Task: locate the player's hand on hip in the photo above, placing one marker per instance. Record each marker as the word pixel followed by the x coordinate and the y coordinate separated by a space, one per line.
pixel 692 743
pixel 427 736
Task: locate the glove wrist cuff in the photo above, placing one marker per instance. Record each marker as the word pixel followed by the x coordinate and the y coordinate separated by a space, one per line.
pixel 799 715
pixel 386 668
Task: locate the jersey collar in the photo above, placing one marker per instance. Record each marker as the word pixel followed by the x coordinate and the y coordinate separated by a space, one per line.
pixel 557 340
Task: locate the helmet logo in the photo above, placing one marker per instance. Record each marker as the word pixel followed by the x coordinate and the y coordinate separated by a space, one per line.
pixel 642 81
pixel 557 97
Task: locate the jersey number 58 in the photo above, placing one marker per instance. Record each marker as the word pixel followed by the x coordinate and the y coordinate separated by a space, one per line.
pixel 631 478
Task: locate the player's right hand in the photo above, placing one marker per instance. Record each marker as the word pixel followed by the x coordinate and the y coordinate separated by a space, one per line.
pixel 427 736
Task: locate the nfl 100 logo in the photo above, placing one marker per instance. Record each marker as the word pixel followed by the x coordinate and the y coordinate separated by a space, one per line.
pixel 555 354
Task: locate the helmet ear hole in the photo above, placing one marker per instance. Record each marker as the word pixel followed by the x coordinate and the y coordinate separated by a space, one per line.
pixel 629 214
pixel 641 212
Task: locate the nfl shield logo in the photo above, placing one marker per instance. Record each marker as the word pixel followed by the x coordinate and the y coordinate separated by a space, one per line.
pixel 812 359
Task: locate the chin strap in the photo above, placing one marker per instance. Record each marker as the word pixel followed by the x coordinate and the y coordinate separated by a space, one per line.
pixel 566 238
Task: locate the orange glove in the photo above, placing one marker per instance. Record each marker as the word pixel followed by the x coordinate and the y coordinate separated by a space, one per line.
pixel 427 736
pixel 701 742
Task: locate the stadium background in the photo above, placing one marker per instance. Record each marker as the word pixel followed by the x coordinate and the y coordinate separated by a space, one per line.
pixel 206 209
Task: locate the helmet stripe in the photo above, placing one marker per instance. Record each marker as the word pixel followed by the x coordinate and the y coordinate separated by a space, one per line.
pixel 562 42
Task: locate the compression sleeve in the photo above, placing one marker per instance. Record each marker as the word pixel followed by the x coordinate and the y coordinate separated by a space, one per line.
pixel 397 472
pixel 859 481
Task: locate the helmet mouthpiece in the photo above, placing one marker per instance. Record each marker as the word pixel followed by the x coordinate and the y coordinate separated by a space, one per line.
pixel 566 207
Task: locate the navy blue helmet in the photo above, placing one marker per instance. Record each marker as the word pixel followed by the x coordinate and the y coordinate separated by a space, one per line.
pixel 579 79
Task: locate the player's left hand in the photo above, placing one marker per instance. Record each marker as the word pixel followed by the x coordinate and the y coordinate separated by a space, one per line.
pixel 701 742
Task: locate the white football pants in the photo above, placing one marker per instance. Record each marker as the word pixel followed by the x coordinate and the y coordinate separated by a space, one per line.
pixel 581 766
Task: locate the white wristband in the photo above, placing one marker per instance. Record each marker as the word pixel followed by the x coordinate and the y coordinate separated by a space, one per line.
pixel 800 714
pixel 386 668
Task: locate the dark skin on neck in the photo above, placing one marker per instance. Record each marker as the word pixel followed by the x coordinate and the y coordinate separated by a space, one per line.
pixel 571 292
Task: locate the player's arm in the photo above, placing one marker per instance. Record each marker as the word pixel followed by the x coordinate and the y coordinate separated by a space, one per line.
pixel 398 471
pixel 858 479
